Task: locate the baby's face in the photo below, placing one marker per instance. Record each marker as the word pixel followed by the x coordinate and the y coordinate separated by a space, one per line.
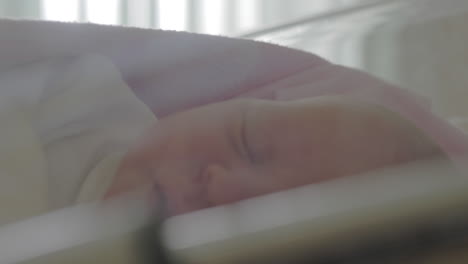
pixel 225 152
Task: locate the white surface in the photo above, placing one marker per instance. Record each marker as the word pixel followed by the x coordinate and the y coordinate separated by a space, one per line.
pixel 71 227
pixel 65 126
pixel 417 44
pixel 317 203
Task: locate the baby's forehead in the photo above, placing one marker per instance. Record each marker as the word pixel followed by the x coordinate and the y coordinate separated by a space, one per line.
pixel 292 117
pixel 305 125
pixel 289 131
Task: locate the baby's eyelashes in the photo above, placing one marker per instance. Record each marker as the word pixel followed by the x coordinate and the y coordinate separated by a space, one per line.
pixel 249 153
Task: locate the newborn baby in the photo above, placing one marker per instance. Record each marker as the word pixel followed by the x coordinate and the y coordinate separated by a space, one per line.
pixel 74 132
pixel 232 150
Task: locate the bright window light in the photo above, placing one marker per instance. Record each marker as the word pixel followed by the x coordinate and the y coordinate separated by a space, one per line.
pixel 213 16
pixel 60 10
pixel 248 14
pixel 172 14
pixel 139 13
pixel 103 11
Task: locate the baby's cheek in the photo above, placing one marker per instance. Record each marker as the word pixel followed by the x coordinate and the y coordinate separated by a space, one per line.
pixel 219 193
pixel 234 186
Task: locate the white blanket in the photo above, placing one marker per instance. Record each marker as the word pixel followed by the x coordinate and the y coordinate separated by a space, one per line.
pixel 64 125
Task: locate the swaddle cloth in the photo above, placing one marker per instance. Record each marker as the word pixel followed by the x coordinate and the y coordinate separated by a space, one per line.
pixel 65 124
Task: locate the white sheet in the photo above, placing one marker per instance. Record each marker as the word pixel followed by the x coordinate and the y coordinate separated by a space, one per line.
pixel 64 126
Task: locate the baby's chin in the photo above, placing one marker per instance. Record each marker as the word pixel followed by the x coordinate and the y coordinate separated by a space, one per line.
pixel 128 178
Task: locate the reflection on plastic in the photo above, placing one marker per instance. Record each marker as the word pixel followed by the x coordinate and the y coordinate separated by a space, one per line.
pixel 392 213
pixel 72 227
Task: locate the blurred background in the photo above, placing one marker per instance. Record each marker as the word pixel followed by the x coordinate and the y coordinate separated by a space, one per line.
pixel 224 17
pixel 416 44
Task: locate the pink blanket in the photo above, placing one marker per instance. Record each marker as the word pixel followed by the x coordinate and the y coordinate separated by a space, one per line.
pixel 173 71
